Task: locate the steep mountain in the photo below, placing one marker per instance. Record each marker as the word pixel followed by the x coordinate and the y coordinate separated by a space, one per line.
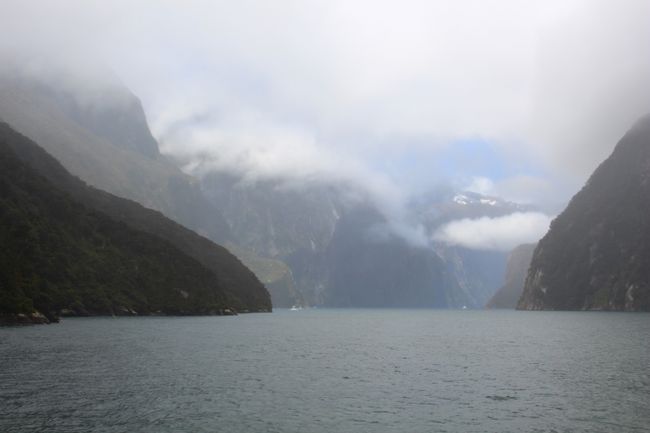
pixel 63 255
pixel 326 239
pixel 596 255
pixel 271 218
pixel 101 135
pixel 364 271
pixel 478 273
pixel 98 130
pixel 284 233
pixel 516 270
pixel 293 226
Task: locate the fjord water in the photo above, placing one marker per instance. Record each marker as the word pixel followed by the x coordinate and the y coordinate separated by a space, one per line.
pixel 330 371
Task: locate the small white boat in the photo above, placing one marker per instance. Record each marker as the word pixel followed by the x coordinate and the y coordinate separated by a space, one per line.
pixel 295 308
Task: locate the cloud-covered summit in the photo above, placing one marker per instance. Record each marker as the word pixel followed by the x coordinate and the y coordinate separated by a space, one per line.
pixel 323 90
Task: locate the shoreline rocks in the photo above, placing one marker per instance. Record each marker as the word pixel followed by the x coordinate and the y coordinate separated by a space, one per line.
pixel 34 318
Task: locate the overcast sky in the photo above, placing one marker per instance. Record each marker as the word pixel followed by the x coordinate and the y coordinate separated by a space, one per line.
pixel 516 98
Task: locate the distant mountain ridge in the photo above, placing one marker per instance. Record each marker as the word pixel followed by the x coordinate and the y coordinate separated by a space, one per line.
pixel 71 249
pixel 516 270
pixel 596 255
pixel 336 260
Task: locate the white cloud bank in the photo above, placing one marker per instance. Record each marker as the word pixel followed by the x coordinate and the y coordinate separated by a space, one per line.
pixel 317 90
pixel 501 233
pixel 556 82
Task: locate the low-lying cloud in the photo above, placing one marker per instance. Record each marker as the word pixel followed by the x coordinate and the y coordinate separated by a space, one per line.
pixel 320 91
pixel 554 82
pixel 501 233
pixel 291 158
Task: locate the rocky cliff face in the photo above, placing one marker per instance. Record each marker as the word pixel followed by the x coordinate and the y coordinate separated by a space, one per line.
pixel 596 255
pixel 516 270
pixel 336 256
pixel 289 225
pixel 272 219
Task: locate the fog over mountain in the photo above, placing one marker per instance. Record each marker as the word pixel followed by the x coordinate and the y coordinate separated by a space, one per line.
pixel 364 190
pixel 510 97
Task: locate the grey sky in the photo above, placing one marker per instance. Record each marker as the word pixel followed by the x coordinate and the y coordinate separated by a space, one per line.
pixel 317 89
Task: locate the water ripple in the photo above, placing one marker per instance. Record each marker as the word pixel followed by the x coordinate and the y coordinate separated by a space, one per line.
pixel 330 370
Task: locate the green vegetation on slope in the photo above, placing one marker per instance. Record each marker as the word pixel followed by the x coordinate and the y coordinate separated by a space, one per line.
pixel 61 254
pixel 106 141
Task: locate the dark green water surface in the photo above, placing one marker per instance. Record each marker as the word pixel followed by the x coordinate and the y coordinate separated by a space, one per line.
pixel 330 371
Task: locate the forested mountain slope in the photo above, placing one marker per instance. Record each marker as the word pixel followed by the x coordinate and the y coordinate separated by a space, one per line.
pixel 70 247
